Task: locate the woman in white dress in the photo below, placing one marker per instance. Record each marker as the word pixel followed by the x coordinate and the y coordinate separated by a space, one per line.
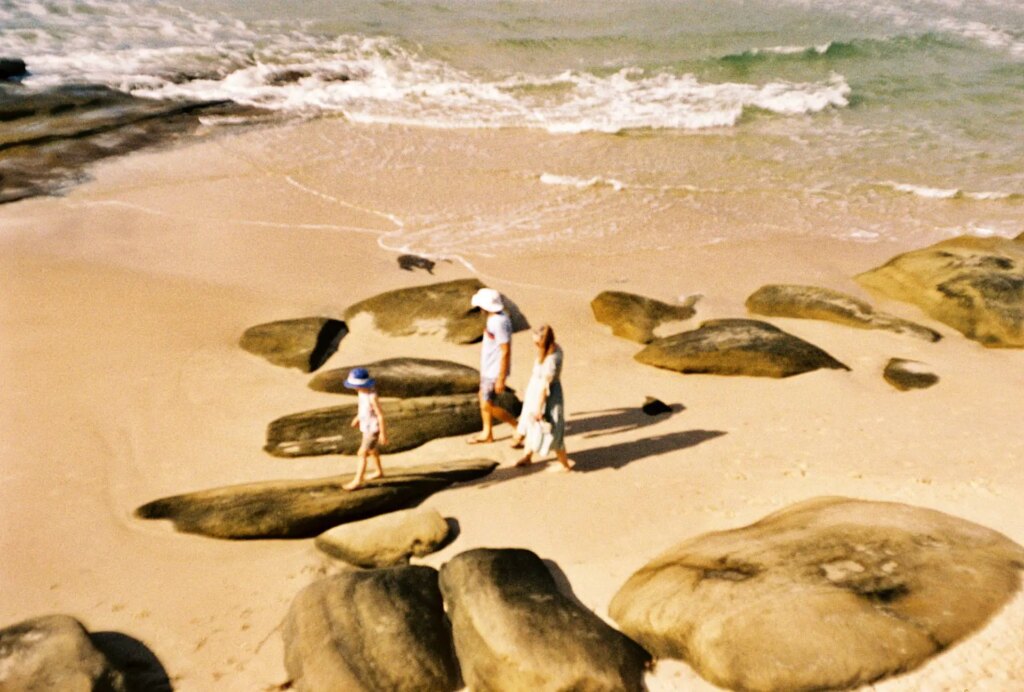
pixel 542 420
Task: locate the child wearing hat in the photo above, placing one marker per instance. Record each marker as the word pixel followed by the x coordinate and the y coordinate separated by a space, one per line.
pixel 369 420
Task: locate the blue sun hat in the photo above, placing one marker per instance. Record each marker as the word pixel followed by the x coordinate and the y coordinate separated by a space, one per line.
pixel 359 378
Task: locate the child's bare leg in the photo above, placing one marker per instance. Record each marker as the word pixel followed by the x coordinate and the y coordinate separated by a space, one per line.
pixel 564 459
pixel 357 482
pixel 379 471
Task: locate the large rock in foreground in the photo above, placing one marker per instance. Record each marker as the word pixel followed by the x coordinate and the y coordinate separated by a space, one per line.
pixel 387 540
pixel 635 317
pixel 827 594
pixel 381 629
pixel 306 508
pixel 410 423
pixel 304 343
pixel 975 285
pixel 514 630
pixel 405 378
pixel 54 652
pixel 814 303
pixel 737 347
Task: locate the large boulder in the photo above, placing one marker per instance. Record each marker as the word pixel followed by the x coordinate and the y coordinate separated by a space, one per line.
pixel 304 343
pixel 514 630
pixel 405 378
pixel 388 539
pixel 908 374
pixel 737 347
pixel 830 593
pixel 410 423
pixel 54 652
pixel 305 508
pixel 635 317
pixel 814 303
pixel 975 285
pixel 381 629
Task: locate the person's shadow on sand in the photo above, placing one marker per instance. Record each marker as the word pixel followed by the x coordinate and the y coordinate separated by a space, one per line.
pixel 618 455
pixel 614 420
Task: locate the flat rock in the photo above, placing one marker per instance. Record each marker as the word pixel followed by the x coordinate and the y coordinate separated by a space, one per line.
pixel 635 317
pixel 815 303
pixel 737 347
pixel 381 629
pixel 405 378
pixel 514 630
pixel 54 652
pixel 830 593
pixel 305 508
pixel 908 374
pixel 975 285
pixel 410 423
pixel 388 539
pixel 304 343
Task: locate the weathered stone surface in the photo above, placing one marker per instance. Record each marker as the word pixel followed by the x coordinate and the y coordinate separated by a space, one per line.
pixel 815 303
pixel 636 317
pixel 514 630
pixel 305 508
pixel 406 378
pixel 386 540
pixel 381 629
pixel 737 347
pixel 304 343
pixel 410 423
pixel 830 593
pixel 442 308
pixel 975 285
pixel 54 652
pixel 908 374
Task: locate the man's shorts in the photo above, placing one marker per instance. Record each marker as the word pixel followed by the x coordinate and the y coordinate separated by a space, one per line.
pixel 487 392
pixel 371 441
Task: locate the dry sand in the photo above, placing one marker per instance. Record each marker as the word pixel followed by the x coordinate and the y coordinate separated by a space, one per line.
pixel 121 381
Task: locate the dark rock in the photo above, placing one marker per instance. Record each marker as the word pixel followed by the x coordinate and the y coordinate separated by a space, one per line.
pixel 304 343
pixel 655 407
pixel 305 508
pixel 410 423
pixel 635 317
pixel 405 378
pixel 737 347
pixel 908 374
pixel 54 652
pixel 284 77
pixel 975 285
pixel 12 68
pixel 830 593
pixel 814 303
pixel 381 629
pixel 514 630
pixel 410 262
pixel 388 539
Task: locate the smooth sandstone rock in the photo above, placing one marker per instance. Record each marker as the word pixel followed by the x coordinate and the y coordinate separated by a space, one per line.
pixel 737 347
pixel 830 593
pixel 635 317
pixel 304 343
pixel 514 630
pixel 908 374
pixel 382 629
pixel 386 540
pixel 405 378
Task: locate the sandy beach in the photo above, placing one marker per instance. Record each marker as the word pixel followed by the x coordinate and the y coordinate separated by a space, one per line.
pixel 122 304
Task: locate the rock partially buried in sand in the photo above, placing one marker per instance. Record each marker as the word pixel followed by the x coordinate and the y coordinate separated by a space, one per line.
pixel 814 303
pixel 410 423
pixel 514 630
pixel 908 374
pixel 830 593
pixel 975 285
pixel 381 629
pixel 386 540
pixel 306 508
pixel 54 652
pixel 406 378
pixel 635 317
pixel 304 343
pixel 737 347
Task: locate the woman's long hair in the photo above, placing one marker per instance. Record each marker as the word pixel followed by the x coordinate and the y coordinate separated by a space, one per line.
pixel 545 340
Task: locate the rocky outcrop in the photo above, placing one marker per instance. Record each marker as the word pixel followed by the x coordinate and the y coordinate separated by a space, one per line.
pixel 304 343
pixel 635 317
pixel 514 630
pixel 908 374
pixel 54 652
pixel 305 508
pixel 814 303
pixel 737 347
pixel 826 594
pixel 406 378
pixel 381 629
pixel 387 540
pixel 410 423
pixel 12 69
pixel 975 285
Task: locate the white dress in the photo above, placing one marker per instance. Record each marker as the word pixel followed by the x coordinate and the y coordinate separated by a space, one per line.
pixel 545 435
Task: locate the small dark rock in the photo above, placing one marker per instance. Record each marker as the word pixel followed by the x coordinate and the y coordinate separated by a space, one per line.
pixel 410 262
pixel 12 69
pixel 908 374
pixel 655 407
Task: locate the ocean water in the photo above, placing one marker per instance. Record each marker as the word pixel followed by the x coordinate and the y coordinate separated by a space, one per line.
pixel 902 117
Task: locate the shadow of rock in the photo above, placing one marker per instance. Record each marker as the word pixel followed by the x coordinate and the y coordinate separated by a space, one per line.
pixel 454 529
pixel 142 670
pixel 614 420
pixel 618 455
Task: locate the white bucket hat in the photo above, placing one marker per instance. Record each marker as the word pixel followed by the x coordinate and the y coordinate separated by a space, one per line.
pixel 487 299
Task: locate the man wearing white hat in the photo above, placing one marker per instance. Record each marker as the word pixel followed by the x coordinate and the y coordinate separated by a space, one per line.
pixel 495 362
